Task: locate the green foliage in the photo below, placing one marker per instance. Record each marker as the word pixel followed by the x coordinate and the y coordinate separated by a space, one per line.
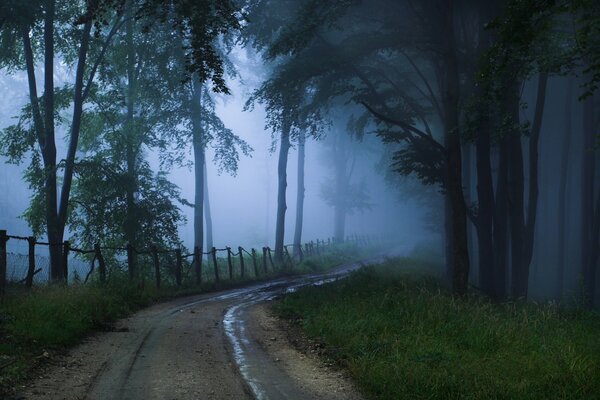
pixel 402 335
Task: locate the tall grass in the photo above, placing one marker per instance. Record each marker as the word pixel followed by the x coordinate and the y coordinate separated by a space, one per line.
pixel 403 336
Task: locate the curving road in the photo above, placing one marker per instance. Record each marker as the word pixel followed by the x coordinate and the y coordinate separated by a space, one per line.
pixel 200 347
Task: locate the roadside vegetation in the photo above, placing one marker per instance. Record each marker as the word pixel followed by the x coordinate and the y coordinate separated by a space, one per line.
pixel 36 323
pixel 402 335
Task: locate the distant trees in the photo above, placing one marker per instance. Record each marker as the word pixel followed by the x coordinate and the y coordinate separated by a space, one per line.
pixel 343 193
pixel 438 76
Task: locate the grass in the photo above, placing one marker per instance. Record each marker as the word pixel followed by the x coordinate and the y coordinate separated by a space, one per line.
pixel 403 336
pixel 52 318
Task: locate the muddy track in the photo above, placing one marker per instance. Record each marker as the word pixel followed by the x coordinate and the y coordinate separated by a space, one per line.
pixel 212 346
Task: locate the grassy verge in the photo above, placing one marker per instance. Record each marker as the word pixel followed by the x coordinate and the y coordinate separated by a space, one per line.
pixel 403 336
pixel 51 318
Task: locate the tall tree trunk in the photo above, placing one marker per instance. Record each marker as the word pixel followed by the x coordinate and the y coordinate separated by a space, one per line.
pixel 340 157
pixel 522 227
pixel 500 223
pixel 299 196
pixel 284 148
pixel 533 193
pixel 450 93
pixel 207 212
pixel 55 233
pixel 516 185
pixel 562 191
pixel 130 228
pixel 448 238
pixel 587 201
pixel 488 279
pixel 199 160
pixel 485 215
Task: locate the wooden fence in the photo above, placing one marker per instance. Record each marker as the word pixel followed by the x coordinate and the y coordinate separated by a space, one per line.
pixel 246 259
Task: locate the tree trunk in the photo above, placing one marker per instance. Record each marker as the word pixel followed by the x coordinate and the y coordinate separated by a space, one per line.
pixel 55 233
pixel 450 93
pixel 516 185
pixel 485 215
pixel 130 228
pixel 341 185
pixel 532 201
pixel 500 223
pixel 562 191
pixel 207 212
pixel 284 149
pixel 199 160
pixel 448 238
pixel 491 278
pixel 587 201
pixel 299 196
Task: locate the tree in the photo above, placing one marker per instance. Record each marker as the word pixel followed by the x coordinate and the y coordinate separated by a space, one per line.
pixel 28 37
pixel 41 22
pixel 341 193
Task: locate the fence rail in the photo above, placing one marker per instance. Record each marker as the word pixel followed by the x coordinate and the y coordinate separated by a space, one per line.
pixel 298 253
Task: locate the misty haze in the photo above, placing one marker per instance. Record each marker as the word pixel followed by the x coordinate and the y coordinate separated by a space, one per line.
pixel 298 199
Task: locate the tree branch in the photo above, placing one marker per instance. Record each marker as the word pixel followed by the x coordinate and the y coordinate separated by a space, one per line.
pixel 407 127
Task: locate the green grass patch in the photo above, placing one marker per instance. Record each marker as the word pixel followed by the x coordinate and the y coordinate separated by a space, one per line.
pixel 403 336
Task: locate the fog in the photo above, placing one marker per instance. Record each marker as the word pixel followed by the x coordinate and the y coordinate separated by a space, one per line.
pixel 243 204
pixel 465 130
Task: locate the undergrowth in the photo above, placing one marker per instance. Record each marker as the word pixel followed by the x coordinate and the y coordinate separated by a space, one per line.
pixel 402 335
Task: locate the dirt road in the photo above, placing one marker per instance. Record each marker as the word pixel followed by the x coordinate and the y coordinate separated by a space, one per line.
pixel 214 346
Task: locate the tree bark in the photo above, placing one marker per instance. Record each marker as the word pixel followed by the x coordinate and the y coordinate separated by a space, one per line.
pixel 341 185
pixel 500 223
pixel 207 212
pixel 516 185
pixel 199 160
pixel 55 233
pixel 450 94
pixel 562 191
pixel 299 197
pixel 284 148
pixel 130 228
pixel 587 201
pixel 532 201
pixel 485 215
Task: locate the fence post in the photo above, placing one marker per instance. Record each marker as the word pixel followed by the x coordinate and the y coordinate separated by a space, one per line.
pixel 307 249
pixel 131 261
pixel 241 261
pixel 198 264
pixel 66 250
pixel 101 263
pixel 254 263
pixel 270 258
pixel 229 264
pixel 156 265
pixel 31 266
pixel 264 259
pixel 3 240
pixel 287 253
pixel 178 267
pixel 214 257
pixel 299 251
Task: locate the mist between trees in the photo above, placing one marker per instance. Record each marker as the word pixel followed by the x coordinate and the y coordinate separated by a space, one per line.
pixel 466 127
